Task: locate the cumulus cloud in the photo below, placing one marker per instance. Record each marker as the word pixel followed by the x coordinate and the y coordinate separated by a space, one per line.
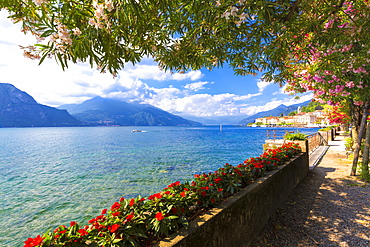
pixel 196 86
pixel 261 84
pixel 201 105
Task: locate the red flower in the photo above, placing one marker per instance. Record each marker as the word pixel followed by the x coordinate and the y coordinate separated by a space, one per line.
pixel 183 194
pixel 155 196
pixel 64 231
pixel 122 199
pixel 174 210
pixel 217 180
pixel 129 217
pixel 73 223
pixel 174 184
pixel 114 228
pixel 132 202
pixel 82 232
pixel 159 216
pixel 104 211
pixel 115 206
pixel 31 242
pixel 116 214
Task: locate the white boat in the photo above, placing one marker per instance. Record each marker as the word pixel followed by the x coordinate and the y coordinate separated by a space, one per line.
pixel 136 131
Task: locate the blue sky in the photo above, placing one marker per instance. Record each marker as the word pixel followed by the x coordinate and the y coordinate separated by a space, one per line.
pixel 201 93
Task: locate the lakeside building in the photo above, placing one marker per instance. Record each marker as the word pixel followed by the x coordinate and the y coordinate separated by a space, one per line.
pixel 300 119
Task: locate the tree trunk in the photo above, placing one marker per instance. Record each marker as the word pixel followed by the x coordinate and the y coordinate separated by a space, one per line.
pixel 359 139
pixel 355 112
pixel 365 156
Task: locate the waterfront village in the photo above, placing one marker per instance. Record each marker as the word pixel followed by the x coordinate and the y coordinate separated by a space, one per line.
pixel 313 119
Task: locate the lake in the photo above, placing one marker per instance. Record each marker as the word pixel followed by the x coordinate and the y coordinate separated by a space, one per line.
pixel 51 176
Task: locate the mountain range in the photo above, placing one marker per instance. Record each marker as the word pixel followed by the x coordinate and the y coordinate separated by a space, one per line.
pixel 280 110
pixel 103 111
pixel 18 109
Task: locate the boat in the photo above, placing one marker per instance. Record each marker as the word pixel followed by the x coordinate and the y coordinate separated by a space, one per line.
pixel 136 131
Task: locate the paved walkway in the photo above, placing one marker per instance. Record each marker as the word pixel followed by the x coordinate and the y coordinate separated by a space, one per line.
pixel 328 208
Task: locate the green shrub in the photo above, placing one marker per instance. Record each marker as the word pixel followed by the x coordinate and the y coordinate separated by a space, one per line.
pixel 348 143
pixel 295 136
pixel 325 129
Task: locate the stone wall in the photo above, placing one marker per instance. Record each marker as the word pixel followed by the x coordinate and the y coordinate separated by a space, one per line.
pixel 239 219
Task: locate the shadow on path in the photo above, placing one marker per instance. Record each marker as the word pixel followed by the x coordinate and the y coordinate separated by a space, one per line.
pixel 323 210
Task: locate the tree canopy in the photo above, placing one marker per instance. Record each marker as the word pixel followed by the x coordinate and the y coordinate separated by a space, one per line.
pixel 276 37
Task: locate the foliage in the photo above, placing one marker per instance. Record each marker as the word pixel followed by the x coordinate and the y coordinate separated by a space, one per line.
pixel 249 36
pixel 298 136
pixel 142 221
pixel 348 143
pixel 312 106
pixel 326 129
pixel 338 114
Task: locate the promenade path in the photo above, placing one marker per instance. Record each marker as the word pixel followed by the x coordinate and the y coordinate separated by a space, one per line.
pixel 328 208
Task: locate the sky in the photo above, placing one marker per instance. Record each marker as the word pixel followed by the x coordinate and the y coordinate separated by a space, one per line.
pixel 200 93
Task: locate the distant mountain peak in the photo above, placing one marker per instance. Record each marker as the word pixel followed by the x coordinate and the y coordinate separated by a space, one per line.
pixel 19 109
pixel 281 109
pixel 13 95
pixel 107 111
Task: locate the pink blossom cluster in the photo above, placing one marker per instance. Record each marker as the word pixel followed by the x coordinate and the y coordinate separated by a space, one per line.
pixel 100 18
pixel 321 75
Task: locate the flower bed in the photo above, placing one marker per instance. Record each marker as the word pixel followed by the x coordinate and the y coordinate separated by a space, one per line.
pixel 143 221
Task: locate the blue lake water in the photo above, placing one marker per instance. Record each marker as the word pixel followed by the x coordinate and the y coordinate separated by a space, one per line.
pixel 51 176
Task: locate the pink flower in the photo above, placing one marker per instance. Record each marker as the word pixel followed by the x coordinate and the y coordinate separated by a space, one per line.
pixel 344 25
pixel 350 84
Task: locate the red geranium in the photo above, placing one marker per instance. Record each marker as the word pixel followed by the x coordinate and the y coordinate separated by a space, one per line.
pixel 114 228
pixel 129 217
pixel 82 232
pixel 115 206
pixel 32 242
pixel 159 216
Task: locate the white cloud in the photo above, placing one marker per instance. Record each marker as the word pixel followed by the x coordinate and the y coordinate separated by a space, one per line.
pixel 282 90
pixel 192 75
pixel 201 105
pixel 143 71
pixel 261 84
pixel 196 86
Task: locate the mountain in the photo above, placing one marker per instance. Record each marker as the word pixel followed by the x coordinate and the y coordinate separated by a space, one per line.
pixel 105 111
pixel 19 109
pixel 281 109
